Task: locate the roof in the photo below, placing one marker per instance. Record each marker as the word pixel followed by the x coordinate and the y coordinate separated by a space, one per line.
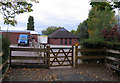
pixel 62 33
pixel 15 31
pixel 21 31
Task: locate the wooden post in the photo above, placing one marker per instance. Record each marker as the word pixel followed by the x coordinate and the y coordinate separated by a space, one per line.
pixel 48 56
pixel 72 55
pixel 76 56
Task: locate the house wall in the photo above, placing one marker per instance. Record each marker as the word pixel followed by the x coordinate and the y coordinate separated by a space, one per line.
pixel 58 41
pixel 14 36
pixel 34 36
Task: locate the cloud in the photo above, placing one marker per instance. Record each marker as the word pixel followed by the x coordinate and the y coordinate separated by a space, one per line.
pixel 65 13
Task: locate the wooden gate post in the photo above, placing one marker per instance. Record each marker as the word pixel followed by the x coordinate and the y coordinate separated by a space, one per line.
pixel 48 56
pixel 76 56
pixel 72 56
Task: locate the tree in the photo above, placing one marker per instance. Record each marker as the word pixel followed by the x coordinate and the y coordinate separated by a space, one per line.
pixel 117 4
pixel 118 20
pixel 99 20
pixel 9 9
pixel 30 24
pixel 74 32
pixel 50 30
pixel 101 5
pixel 82 30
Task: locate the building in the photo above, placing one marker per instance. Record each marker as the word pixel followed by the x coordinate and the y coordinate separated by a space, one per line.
pixel 63 37
pixel 13 35
pixel 34 35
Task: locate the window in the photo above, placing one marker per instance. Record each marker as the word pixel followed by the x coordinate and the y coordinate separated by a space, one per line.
pixel 61 41
pixel 66 41
pixel 70 41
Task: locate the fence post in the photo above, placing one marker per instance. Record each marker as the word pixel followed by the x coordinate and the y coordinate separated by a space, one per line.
pixel 72 56
pixel 76 56
pixel 48 56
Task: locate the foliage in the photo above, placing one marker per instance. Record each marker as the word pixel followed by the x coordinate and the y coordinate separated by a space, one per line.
pixel 30 24
pixel 5 48
pixel 9 9
pixel 93 43
pixel 50 30
pixel 113 45
pixel 112 35
pixel 101 5
pixel 118 20
pixel 82 30
pixel 97 43
pixel 74 32
pixel 99 20
pixel 116 4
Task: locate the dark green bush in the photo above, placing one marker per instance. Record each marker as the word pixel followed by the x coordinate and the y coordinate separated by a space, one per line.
pixel 5 48
pixel 113 45
pixel 95 43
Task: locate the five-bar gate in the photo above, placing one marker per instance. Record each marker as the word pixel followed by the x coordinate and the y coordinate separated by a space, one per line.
pixel 62 56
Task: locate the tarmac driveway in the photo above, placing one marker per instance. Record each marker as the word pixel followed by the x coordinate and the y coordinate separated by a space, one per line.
pixel 100 73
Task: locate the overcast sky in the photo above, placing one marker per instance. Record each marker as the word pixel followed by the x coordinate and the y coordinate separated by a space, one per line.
pixel 63 13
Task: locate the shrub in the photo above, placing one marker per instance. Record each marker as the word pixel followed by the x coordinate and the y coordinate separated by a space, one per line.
pixel 5 48
pixel 112 35
pixel 113 45
pixel 96 43
pixel 92 43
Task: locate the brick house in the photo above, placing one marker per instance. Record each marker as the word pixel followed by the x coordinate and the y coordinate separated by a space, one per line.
pixel 13 35
pixel 62 37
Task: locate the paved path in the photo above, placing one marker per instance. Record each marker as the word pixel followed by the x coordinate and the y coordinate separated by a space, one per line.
pixel 60 74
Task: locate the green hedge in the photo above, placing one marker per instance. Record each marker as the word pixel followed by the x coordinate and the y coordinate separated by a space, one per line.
pixel 113 45
pixel 93 44
pixel 5 48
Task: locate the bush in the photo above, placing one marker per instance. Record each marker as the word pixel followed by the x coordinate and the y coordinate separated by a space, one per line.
pixel 112 35
pixel 113 45
pixel 96 43
pixel 5 48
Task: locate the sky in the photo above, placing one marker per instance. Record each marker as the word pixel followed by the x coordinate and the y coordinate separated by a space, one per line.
pixel 61 13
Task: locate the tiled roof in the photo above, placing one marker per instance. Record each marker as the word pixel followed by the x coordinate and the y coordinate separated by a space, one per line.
pixel 62 33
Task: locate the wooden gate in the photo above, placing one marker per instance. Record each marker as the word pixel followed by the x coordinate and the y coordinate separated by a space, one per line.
pixel 61 56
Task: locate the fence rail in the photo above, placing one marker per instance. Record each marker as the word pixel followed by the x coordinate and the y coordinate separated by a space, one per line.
pixel 28 49
pixel 91 50
pixel 85 57
pixel 45 59
pixel 113 61
pixel 2 66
